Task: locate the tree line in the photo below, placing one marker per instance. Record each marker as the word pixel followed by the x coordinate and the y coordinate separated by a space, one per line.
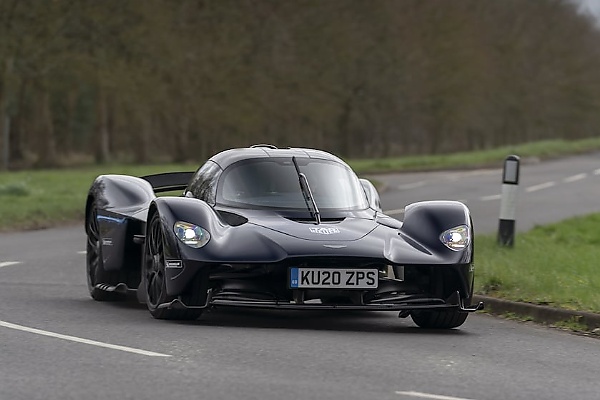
pixel 158 80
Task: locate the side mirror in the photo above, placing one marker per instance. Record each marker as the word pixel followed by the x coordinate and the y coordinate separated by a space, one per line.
pixel 372 195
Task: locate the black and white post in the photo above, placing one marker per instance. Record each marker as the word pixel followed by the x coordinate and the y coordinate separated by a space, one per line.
pixel 508 201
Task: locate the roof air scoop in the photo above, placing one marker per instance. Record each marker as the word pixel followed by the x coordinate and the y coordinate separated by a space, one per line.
pixel 311 204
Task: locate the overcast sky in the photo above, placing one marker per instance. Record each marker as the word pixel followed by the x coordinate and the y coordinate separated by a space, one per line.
pixel 592 6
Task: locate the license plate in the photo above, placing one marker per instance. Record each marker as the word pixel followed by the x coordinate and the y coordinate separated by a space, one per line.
pixel 333 278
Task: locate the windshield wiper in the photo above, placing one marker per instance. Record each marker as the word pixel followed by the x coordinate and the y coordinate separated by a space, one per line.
pixel 311 204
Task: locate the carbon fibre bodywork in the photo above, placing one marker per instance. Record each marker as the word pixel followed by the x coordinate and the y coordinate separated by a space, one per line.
pixel 251 250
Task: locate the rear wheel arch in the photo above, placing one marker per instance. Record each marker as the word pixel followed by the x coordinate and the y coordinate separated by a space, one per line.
pixel 96 274
pixel 88 205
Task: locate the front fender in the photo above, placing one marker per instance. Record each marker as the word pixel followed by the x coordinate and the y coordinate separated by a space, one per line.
pixel 191 210
pixel 227 244
pixel 425 221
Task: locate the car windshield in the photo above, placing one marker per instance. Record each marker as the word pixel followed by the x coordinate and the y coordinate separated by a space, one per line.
pixel 273 183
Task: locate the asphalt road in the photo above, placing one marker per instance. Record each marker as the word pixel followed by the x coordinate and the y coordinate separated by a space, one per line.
pixel 548 191
pixel 57 343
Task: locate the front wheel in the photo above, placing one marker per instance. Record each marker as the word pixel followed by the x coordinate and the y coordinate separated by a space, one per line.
pixel 439 319
pixel 154 278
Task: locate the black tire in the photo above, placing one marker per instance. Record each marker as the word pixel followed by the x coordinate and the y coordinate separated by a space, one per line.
pixel 94 266
pixel 439 319
pixel 153 276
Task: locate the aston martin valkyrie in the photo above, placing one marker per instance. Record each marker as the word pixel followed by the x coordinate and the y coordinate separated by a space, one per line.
pixel 289 229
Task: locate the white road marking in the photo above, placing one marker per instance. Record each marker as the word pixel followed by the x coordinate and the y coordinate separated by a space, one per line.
pixel 82 252
pixel 9 263
pixel 597 172
pixel 575 178
pixel 396 211
pixel 81 340
pixel 413 185
pixel 429 396
pixel 489 198
pixel 493 197
pixel 541 186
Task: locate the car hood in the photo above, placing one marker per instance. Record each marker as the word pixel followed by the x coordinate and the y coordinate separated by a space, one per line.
pixel 346 229
pixel 336 226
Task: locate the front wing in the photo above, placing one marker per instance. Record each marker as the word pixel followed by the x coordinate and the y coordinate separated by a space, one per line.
pixel 401 303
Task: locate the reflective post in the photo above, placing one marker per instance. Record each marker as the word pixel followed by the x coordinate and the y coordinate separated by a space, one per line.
pixel 510 184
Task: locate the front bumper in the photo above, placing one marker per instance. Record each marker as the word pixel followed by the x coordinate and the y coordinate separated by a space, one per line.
pixel 402 303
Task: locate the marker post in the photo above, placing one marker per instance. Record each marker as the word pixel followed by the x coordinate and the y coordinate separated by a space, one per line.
pixel 510 184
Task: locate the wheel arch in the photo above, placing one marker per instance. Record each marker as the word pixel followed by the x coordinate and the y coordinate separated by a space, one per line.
pixel 120 201
pixel 425 221
pixel 88 205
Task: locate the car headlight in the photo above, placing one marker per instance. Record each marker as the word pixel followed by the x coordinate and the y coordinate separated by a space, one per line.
pixel 192 235
pixel 457 238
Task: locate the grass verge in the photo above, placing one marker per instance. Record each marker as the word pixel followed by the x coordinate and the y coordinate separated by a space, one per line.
pixel 555 265
pixel 571 325
pixel 543 150
pixel 39 199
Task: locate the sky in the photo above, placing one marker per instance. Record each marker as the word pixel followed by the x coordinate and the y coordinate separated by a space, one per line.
pixel 592 6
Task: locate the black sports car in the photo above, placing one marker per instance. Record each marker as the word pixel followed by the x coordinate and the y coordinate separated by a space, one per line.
pixel 276 228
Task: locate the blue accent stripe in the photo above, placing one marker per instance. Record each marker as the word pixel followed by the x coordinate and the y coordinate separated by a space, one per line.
pixel 294 277
pixel 110 219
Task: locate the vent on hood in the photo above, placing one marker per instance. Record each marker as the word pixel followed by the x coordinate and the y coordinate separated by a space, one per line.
pixel 312 220
pixel 232 219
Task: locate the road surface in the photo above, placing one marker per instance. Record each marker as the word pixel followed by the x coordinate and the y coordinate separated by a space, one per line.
pixel 57 343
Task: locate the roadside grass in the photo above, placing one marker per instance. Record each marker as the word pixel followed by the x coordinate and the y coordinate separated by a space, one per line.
pixel 39 199
pixel 555 265
pixel 494 157
pixel 516 317
pixel 571 325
